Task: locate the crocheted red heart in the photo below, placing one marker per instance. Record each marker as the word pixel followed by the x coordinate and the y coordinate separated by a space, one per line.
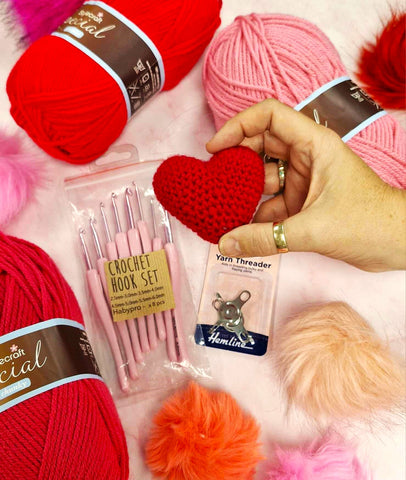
pixel 211 197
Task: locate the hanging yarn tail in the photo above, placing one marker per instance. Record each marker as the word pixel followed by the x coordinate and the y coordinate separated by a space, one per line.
pixel 288 58
pixel 72 107
pixel 72 431
pixel 382 64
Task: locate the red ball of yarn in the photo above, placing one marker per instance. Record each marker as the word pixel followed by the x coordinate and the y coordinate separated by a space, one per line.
pixel 288 58
pixel 72 431
pixel 382 65
pixel 71 107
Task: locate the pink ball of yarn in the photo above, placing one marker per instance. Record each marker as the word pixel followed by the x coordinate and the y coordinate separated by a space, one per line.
pixel 327 459
pixel 288 58
pixel 19 174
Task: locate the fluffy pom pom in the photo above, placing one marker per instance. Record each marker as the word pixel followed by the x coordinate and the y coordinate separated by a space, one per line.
pixel 18 175
pixel 382 65
pixel 327 459
pixel 41 17
pixel 201 435
pixel 333 365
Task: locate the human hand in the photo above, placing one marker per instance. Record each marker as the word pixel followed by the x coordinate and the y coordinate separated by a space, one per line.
pixel 332 203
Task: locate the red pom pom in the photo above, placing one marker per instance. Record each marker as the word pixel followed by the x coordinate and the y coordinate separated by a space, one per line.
pixel 211 198
pixel 201 435
pixel 382 66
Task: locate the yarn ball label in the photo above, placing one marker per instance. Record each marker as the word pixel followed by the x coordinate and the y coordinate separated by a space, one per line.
pixel 41 357
pixel 118 46
pixel 342 106
pixel 139 285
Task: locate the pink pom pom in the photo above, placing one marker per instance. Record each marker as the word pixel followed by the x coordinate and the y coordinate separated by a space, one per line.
pixel 41 17
pixel 328 459
pixel 18 175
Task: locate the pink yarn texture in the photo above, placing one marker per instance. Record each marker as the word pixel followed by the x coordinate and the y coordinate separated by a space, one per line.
pixel 19 173
pixel 327 459
pixel 288 58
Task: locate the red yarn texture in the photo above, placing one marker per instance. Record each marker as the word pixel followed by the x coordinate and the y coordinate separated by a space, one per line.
pixel 203 435
pixel 213 197
pixel 71 107
pixel 73 431
pixel 382 64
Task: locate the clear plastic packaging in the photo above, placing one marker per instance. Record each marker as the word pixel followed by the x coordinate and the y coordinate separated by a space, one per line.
pixel 237 303
pixel 142 317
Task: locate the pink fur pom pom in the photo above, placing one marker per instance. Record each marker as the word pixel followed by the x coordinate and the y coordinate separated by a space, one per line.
pixel 41 17
pixel 18 176
pixel 328 459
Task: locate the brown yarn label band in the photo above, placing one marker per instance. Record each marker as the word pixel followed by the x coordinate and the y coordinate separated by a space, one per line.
pixel 342 106
pixel 139 285
pixel 119 47
pixel 41 357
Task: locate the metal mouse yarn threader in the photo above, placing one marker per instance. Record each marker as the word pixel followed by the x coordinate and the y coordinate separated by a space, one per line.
pixel 231 318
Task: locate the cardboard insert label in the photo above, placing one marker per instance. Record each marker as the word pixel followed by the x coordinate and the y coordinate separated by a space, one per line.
pixel 139 285
pixel 41 357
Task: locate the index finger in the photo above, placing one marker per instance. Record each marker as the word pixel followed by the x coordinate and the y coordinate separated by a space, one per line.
pixel 285 123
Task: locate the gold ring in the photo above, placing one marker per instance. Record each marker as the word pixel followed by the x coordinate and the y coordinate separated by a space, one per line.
pixel 282 165
pixel 279 237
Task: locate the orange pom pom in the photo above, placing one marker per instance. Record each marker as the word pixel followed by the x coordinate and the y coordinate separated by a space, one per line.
pixel 333 365
pixel 201 435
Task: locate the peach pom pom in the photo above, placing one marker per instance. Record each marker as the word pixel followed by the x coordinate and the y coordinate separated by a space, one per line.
pixel 333 365
pixel 199 432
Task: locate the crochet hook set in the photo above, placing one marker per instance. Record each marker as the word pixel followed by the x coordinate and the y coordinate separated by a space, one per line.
pixel 141 313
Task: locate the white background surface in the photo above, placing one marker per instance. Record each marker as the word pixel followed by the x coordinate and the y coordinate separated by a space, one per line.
pixel 179 122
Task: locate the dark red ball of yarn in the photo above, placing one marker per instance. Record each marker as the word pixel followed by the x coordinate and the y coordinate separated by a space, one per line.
pixel 73 431
pixel 213 197
pixel 382 64
pixel 71 107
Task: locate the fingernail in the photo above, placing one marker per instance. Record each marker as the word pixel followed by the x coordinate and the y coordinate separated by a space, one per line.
pixel 230 246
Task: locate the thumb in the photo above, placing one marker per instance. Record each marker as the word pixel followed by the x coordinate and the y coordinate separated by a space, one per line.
pixel 257 239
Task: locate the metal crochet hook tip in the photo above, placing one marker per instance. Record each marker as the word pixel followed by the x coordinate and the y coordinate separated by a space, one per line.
pixel 130 213
pixel 105 222
pixel 168 229
pixel 137 192
pixel 154 218
pixel 82 233
pixel 115 210
pixel 96 239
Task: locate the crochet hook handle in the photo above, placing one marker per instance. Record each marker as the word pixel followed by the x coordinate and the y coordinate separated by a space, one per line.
pixel 120 326
pixel 96 291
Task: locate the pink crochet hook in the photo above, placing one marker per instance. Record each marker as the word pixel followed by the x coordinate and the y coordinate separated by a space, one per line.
pixel 124 251
pixel 166 316
pixel 174 269
pixel 137 248
pixel 112 254
pixel 103 311
pixel 121 326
